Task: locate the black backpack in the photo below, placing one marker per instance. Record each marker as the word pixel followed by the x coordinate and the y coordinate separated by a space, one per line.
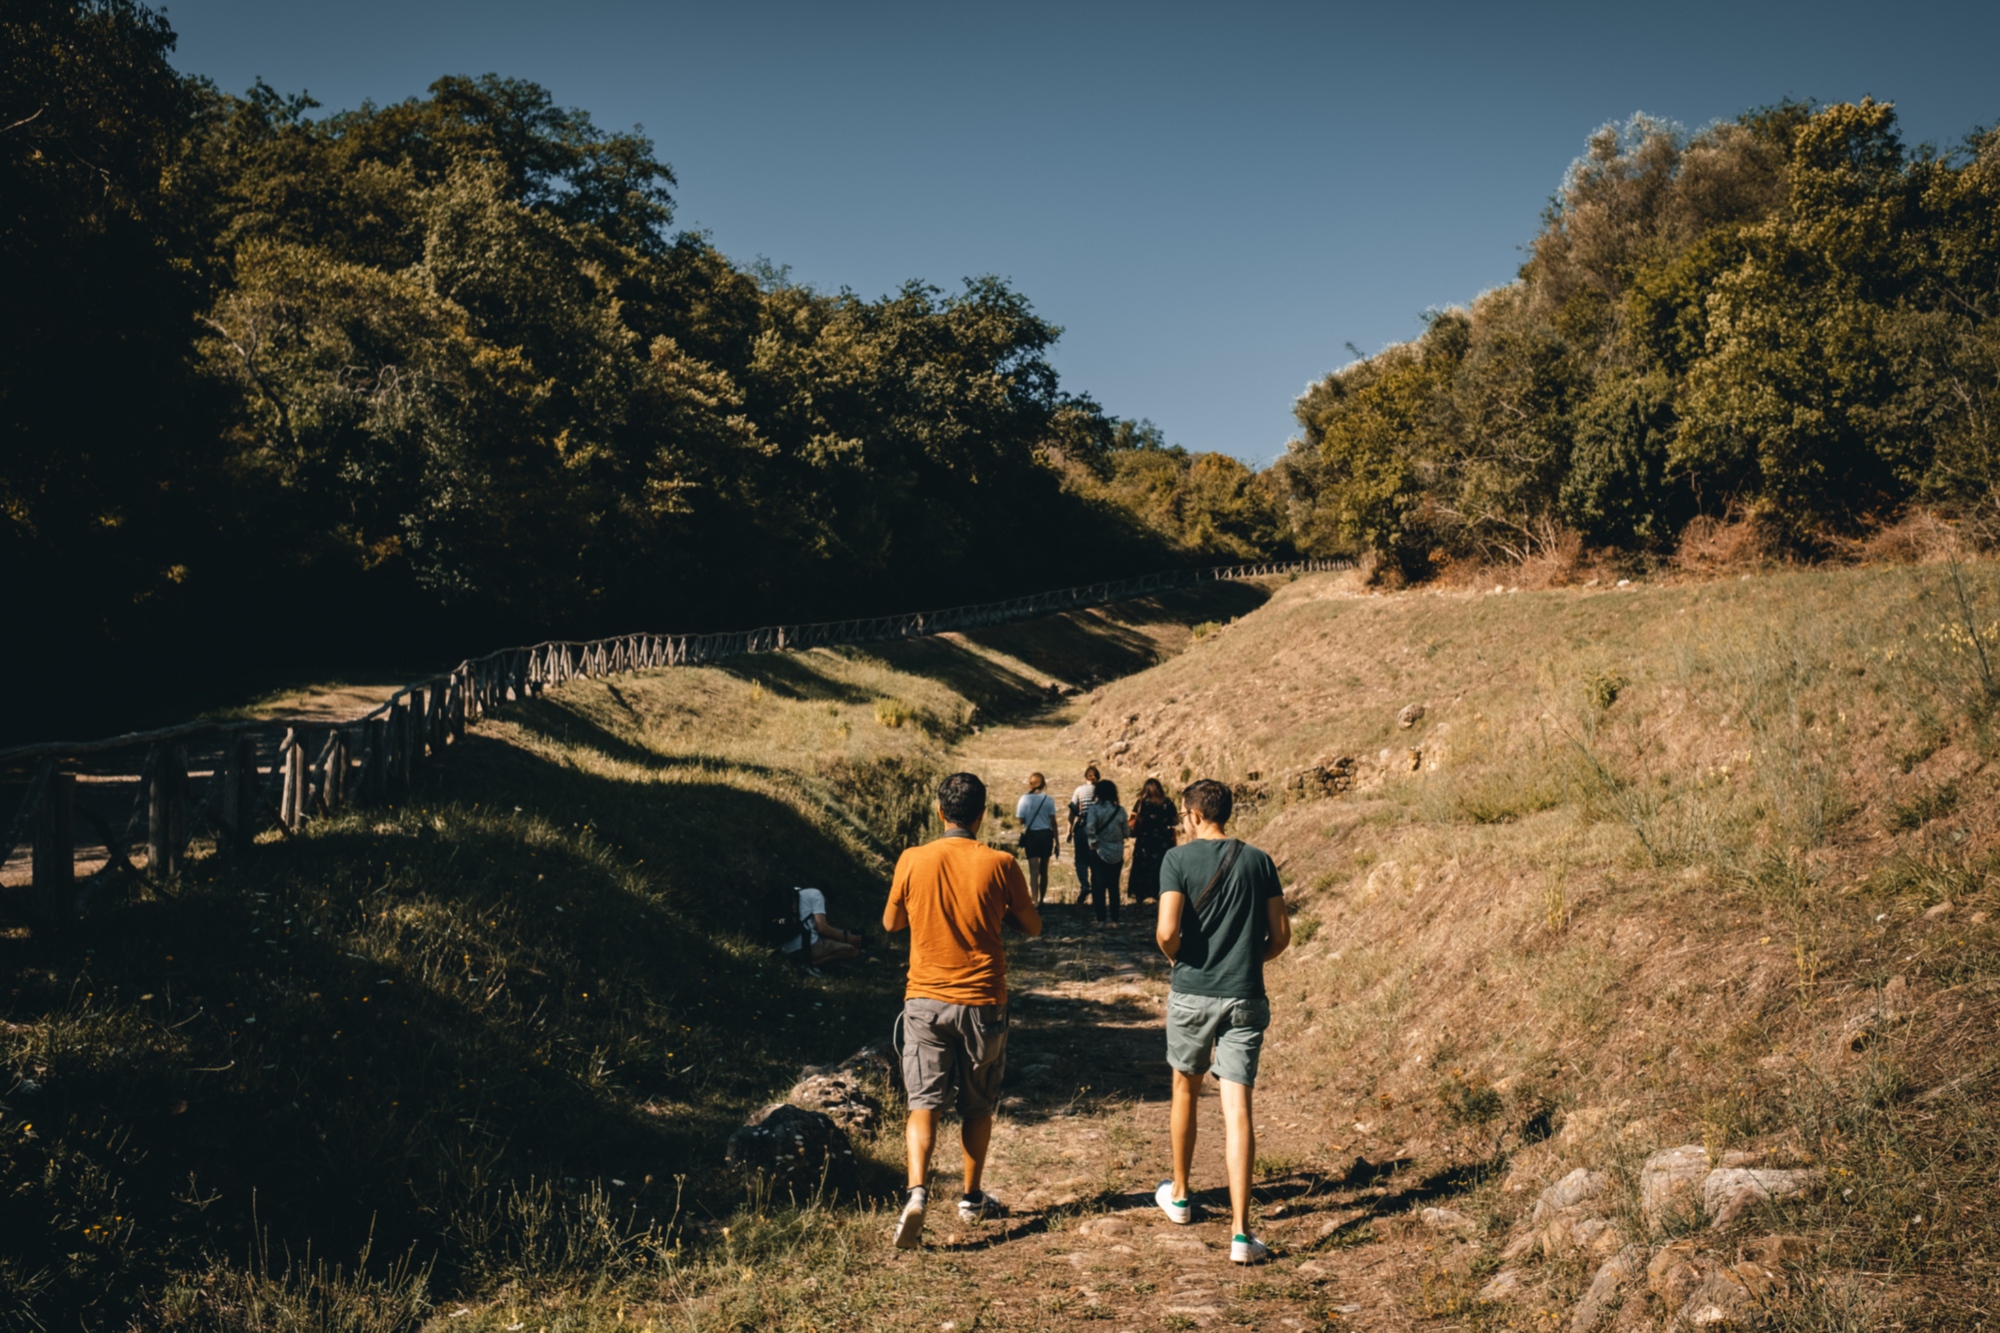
pixel 792 929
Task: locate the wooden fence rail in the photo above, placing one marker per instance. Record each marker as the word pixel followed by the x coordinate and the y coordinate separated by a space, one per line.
pixel 232 780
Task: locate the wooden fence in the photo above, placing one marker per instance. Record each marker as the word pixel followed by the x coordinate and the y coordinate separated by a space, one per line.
pixel 280 773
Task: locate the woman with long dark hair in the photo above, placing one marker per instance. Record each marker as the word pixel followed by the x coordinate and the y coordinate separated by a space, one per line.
pixel 1154 832
pixel 1106 823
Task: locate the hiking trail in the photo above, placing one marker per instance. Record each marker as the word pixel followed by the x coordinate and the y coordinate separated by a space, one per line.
pixel 1082 1142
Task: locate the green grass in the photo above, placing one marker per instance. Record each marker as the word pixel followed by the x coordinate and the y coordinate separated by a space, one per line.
pixel 502 1028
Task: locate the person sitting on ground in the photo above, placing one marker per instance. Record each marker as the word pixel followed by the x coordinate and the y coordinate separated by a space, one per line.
pixel 1222 917
pixel 1153 836
pixel 953 895
pixel 822 941
pixel 1079 803
pixel 1037 812
pixel 1105 827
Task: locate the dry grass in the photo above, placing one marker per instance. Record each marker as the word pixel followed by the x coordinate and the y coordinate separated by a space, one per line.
pixel 1633 879
pixel 481 1051
pixel 1655 848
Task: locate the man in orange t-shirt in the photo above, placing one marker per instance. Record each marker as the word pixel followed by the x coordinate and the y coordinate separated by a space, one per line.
pixel 952 895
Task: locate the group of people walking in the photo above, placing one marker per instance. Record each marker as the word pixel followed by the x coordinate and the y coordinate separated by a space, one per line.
pixel 1222 916
pixel 1099 828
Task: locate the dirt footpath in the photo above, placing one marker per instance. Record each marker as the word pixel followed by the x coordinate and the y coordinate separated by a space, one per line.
pixel 1082 1143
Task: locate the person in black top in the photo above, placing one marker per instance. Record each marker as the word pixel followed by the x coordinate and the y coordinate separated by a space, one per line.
pixel 1153 836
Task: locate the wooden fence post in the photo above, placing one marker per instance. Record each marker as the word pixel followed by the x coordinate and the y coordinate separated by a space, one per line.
pixel 461 682
pixel 418 725
pixel 54 858
pixel 239 795
pixel 374 761
pixel 166 812
pixel 401 744
pixel 333 785
pixel 292 796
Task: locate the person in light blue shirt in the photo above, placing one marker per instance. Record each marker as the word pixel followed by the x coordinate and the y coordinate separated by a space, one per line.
pixel 1037 812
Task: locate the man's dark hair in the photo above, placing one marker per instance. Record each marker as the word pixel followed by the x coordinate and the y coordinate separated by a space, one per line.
pixel 1209 801
pixel 962 797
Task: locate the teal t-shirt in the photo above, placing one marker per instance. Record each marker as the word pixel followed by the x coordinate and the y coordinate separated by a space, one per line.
pixel 1222 951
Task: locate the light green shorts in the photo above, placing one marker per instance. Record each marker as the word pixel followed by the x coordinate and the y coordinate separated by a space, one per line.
pixel 1205 1031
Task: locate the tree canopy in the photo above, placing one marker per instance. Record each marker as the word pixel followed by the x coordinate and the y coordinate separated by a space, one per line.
pixel 443 371
pixel 1789 315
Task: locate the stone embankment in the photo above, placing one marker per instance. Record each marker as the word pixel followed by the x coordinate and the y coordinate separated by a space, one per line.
pixel 1644 1280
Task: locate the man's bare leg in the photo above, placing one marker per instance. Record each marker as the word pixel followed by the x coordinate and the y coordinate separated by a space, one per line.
pixel 1187 1090
pixel 1239 1151
pixel 832 951
pixel 920 1136
pixel 977 1136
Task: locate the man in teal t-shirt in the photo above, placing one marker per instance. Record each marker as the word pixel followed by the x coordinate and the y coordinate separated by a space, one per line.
pixel 1222 917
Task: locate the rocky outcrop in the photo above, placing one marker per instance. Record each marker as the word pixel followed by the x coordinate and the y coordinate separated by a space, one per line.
pixel 1568 1218
pixel 1322 778
pixel 1410 716
pixel 1677 1287
pixel 1670 1184
pixel 794 1149
pixel 841 1097
pixel 1730 1192
pixel 1607 1289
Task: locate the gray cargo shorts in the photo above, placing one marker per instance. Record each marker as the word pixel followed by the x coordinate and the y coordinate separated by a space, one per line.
pixel 1204 1030
pixel 954 1048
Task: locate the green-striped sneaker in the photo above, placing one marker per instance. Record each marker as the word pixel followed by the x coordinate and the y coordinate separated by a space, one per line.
pixel 1248 1250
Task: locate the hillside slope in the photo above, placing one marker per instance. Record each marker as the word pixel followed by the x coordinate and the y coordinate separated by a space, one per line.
pixel 494 1037
pixel 1656 866
pixel 1697 867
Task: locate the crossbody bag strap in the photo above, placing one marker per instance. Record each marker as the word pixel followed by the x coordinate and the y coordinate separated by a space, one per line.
pixel 1222 869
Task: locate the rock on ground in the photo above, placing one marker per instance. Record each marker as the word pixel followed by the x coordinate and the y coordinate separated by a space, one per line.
pixel 1447 1219
pixel 1569 1216
pixel 1670 1183
pixel 1731 1192
pixel 1612 1277
pixel 840 1097
pixel 794 1149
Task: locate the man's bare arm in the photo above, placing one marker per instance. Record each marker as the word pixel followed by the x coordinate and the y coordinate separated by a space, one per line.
pixel 1167 933
pixel 1020 903
pixel 1281 928
pixel 895 917
pixel 828 930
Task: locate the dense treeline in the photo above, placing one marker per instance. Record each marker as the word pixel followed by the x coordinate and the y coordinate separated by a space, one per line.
pixel 1790 316
pixel 292 390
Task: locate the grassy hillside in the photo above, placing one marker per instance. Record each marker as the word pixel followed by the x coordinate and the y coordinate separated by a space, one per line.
pixel 492 1041
pixel 1658 865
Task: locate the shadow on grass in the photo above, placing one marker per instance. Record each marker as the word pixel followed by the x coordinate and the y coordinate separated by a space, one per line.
pixel 1089 646
pixel 1077 647
pixel 397 1020
pixel 795 676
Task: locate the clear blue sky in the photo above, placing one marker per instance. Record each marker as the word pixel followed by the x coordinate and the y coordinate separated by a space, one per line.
pixel 1213 200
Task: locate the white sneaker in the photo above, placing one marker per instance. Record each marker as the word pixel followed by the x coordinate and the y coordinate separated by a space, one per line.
pixel 1248 1250
pixel 971 1210
pixel 910 1226
pixel 1177 1210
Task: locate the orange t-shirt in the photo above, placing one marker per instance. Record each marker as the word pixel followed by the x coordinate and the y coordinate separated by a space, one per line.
pixel 956 893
